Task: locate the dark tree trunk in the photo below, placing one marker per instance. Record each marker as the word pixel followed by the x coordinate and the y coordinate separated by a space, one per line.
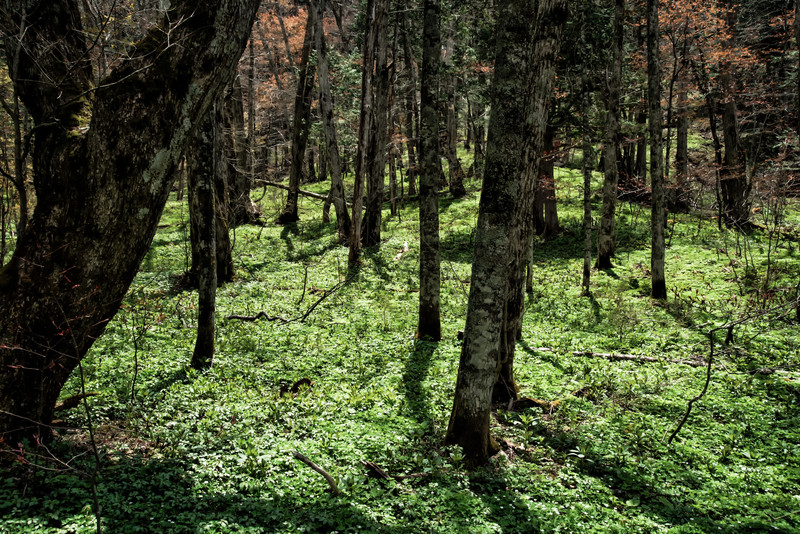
pixel 301 125
pixel 429 325
pixel 412 111
pixel 734 185
pixel 545 211
pixel 364 134
pixel 454 168
pixel 100 190
pixel 206 157
pixel 682 142
pixel 588 159
pixel 658 212
pixel 606 245
pixel 241 207
pixel 376 150
pixel 202 199
pixel 329 126
pixel 499 232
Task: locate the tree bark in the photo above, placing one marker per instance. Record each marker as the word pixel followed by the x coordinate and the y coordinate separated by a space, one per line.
pixel 376 149
pixel 501 213
pixel 658 212
pixel 550 18
pixel 206 161
pixel 326 110
pixel 301 125
pixel 202 197
pixel 102 175
pixel 429 325
pixel 606 243
pixel 241 208
pixel 454 168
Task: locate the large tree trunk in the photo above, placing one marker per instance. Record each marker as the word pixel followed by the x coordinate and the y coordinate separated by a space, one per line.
pixel 429 325
pixel 658 212
pixel 100 190
pixel 412 111
pixel 499 235
pixel 326 110
pixel 376 150
pixel 606 242
pixel 301 125
pixel 549 22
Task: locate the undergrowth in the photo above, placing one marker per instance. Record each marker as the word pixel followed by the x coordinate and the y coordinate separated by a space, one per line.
pixel 184 451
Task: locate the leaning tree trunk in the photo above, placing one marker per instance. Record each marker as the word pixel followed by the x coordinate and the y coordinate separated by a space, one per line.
pixel 102 174
pixel 301 124
pixel 606 239
pixel 658 212
pixel 429 325
pixel 500 217
pixel 326 110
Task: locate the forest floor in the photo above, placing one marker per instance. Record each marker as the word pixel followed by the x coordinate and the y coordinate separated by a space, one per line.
pixel 182 451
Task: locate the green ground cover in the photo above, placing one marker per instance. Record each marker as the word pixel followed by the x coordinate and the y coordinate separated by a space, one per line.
pixel 182 451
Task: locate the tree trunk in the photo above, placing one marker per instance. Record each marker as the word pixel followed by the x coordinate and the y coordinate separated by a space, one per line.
pixel 241 207
pixel 550 19
pixel 658 213
pixel 734 185
pixel 364 134
pixel 328 124
pixel 454 168
pixel 587 164
pixel 206 157
pixel 101 183
pixel 499 232
pixel 682 142
pixel 376 149
pixel 202 199
pixel 606 243
pixel 429 325
pixel 412 111
pixel 545 212
pixel 301 125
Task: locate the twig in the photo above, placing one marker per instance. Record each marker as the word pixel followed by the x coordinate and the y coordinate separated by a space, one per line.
pixel 638 358
pixel 727 326
pixel 301 318
pixel 318 469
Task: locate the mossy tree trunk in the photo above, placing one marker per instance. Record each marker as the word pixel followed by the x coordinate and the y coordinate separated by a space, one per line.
pixel 500 230
pixel 429 325
pixel 102 173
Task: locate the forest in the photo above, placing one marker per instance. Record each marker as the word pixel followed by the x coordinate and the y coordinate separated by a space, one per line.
pixel 514 266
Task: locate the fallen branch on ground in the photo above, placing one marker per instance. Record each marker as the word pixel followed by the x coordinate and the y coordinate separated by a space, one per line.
pixel 309 194
pixel 318 469
pixel 626 357
pixel 301 318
